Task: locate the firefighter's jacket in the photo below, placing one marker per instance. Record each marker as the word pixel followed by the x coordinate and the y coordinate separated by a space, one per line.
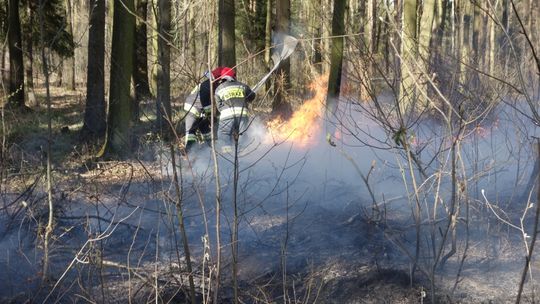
pixel 199 102
pixel 232 97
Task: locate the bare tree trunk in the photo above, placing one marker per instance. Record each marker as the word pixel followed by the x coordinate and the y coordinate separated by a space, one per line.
pixel 492 46
pixel 164 70
pixel 29 67
pixel 192 35
pixel 3 69
pixel 408 55
pixel 16 65
pixel 325 13
pixel 226 44
pixel 479 36
pixel 533 23
pixel 316 24
pixel 424 39
pixel 94 115
pixel 440 8
pixel 397 37
pixel 506 15
pixel 140 71
pixel 371 28
pixel 466 39
pixel 280 106
pixel 504 38
pixel 118 140
pixel 71 60
pixel 387 37
pixel 154 54
pixel 268 35
pixel 336 60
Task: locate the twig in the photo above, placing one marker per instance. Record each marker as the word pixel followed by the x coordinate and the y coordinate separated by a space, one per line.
pixel 533 240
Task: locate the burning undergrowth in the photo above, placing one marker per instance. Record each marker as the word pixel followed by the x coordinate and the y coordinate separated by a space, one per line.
pixel 304 126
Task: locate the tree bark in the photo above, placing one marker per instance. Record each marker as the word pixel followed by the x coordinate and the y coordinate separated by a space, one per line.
pixel 94 115
pixel 397 13
pixel 317 45
pixel 505 15
pixel 336 59
pixel 268 34
pixel 492 46
pixel 71 60
pixel 120 104
pixel 268 40
pixel 371 28
pixel 16 65
pixel 226 44
pixel 29 66
pixel 478 34
pixel 409 51
pixel 533 23
pixel 466 33
pixel 140 71
pixel 163 72
pixel 280 106
pixel 192 35
pixel 442 14
pixel 424 39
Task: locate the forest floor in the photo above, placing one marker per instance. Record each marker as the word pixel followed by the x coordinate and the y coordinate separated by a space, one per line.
pixel 116 233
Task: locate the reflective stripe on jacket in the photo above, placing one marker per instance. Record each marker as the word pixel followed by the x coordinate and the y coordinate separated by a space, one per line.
pixel 191 109
pixel 233 112
pixel 191 137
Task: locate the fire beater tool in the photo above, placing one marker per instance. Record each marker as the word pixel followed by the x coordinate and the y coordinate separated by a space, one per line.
pixel 284 47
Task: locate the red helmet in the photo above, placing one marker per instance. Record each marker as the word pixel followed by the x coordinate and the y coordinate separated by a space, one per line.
pixel 216 73
pixel 222 73
pixel 228 73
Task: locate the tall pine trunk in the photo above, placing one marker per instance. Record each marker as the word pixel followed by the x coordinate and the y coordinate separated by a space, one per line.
pixel 268 35
pixel 140 71
pixel 29 51
pixel 491 54
pixel 71 60
pixel 408 56
pixel 94 115
pixel 120 104
pixel 371 28
pixel 316 24
pixel 164 61
pixel 16 66
pixel 280 106
pixel 226 44
pixel 336 55
pixel 424 39
pixel 466 34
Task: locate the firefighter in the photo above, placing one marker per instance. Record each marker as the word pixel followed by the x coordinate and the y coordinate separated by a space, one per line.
pixel 198 106
pixel 232 98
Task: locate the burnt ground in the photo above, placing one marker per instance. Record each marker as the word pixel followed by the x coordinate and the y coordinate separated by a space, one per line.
pixel 304 251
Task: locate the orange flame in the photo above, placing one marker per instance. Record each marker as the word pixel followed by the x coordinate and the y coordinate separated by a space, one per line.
pixel 303 126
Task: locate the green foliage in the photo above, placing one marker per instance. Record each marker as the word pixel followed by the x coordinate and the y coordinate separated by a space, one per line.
pixel 56 35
